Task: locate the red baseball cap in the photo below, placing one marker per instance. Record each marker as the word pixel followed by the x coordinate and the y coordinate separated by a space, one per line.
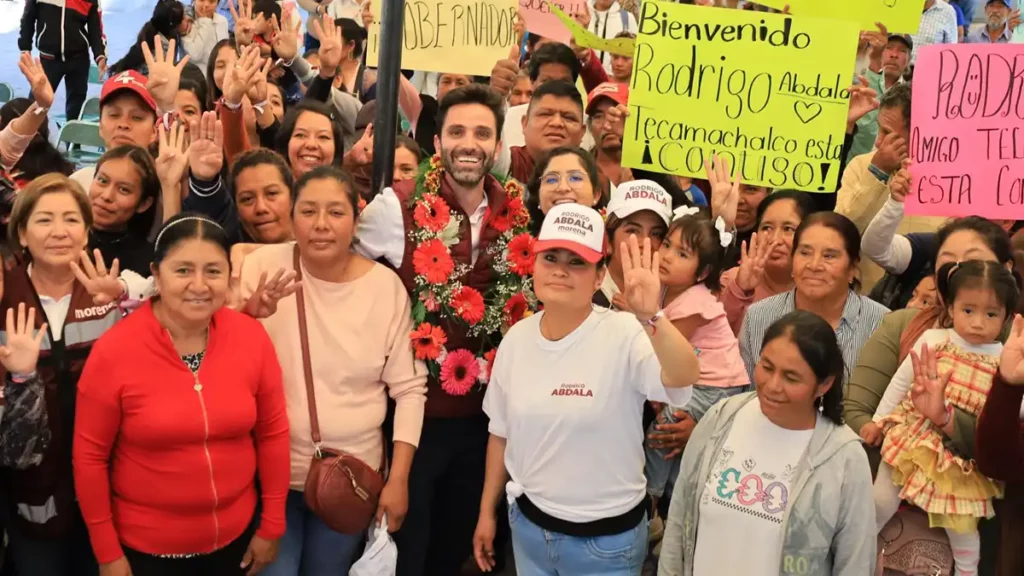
pixel 128 80
pixel 619 93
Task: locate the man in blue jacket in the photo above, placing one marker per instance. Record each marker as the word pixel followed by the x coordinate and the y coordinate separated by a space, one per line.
pixel 63 32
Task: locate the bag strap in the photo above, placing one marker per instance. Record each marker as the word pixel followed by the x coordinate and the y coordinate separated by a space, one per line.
pixel 307 368
pixel 307 365
pixel 624 17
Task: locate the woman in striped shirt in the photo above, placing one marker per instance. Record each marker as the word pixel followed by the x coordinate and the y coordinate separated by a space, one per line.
pixel 826 253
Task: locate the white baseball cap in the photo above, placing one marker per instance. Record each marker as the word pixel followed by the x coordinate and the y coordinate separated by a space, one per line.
pixel 637 195
pixel 574 227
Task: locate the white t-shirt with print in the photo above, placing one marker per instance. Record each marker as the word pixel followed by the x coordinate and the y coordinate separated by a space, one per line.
pixel 571 413
pixel 746 497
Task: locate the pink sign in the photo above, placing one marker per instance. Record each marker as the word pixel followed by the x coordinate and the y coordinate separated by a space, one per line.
pixel 540 20
pixel 967 131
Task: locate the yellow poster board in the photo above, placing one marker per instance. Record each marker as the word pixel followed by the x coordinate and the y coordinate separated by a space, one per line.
pixel 899 16
pixel 768 92
pixel 457 36
pixel 587 39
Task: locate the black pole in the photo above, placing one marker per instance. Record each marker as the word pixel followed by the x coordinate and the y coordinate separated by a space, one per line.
pixel 389 68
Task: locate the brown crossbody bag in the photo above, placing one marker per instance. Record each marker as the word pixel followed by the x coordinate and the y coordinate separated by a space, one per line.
pixel 340 488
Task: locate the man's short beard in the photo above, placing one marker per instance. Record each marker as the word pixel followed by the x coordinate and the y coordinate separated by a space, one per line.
pixel 463 179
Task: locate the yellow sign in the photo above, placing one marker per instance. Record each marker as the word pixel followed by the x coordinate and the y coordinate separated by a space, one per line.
pixel 768 92
pixel 587 39
pixel 457 36
pixel 899 16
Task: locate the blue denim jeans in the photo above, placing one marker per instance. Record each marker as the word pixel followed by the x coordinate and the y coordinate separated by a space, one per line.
pixel 539 552
pixel 309 547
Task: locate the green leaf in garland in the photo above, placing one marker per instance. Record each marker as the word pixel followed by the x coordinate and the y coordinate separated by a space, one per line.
pixel 419 313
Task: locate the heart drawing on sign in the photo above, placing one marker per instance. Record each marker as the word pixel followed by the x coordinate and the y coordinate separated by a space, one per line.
pixel 806 111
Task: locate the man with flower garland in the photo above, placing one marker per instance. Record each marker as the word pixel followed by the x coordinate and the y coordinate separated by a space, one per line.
pixel 457 237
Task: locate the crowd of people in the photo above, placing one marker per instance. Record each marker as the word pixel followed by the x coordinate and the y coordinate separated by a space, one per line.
pixel 225 352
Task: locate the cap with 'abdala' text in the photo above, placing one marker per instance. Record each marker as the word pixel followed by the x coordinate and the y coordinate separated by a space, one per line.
pixel 636 195
pixel 573 227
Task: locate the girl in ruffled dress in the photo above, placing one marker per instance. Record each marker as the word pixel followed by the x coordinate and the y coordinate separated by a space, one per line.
pixel 944 383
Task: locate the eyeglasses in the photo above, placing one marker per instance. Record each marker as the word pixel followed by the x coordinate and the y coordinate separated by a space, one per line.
pixel 574 179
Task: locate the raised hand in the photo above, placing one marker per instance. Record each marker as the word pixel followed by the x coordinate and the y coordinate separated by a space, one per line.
pixel 237 79
pixel 863 99
pixel 173 158
pixel 642 288
pixel 877 40
pixel 752 261
pixel 899 185
pixel 582 16
pixel 929 390
pixel 362 151
pixel 331 45
pixel 1011 361
pixel 505 72
pixel 164 74
pixel 257 84
pixel 21 353
pixel 286 38
pixel 616 118
pixel 104 286
pixel 519 27
pixel 725 193
pixel 890 154
pixel 206 152
pixel 263 302
pixel 1015 20
pixel 366 14
pixel 245 26
pixel 42 92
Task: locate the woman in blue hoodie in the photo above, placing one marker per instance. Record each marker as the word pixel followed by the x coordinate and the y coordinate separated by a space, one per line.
pixel 776 471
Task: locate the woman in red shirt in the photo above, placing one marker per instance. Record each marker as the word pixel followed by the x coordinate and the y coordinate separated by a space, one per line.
pixel 179 408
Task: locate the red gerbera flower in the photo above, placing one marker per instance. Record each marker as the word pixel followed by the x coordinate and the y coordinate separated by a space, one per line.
pixel 432 261
pixel 499 221
pixel 432 213
pixel 520 254
pixel 489 360
pixel 469 305
pixel 515 308
pixel 517 213
pixel 459 372
pixel 427 341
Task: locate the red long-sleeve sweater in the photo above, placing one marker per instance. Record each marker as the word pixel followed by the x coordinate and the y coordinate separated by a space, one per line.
pixel 164 465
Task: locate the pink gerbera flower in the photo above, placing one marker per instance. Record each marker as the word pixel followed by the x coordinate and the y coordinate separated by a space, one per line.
pixel 459 372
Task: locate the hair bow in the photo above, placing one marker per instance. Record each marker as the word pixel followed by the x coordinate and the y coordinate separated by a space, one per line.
pixel 725 237
pixel 684 211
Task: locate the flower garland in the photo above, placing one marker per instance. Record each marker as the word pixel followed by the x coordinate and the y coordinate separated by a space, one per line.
pixel 437 294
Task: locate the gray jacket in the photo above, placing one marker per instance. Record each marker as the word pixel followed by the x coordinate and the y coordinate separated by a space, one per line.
pixel 829 528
